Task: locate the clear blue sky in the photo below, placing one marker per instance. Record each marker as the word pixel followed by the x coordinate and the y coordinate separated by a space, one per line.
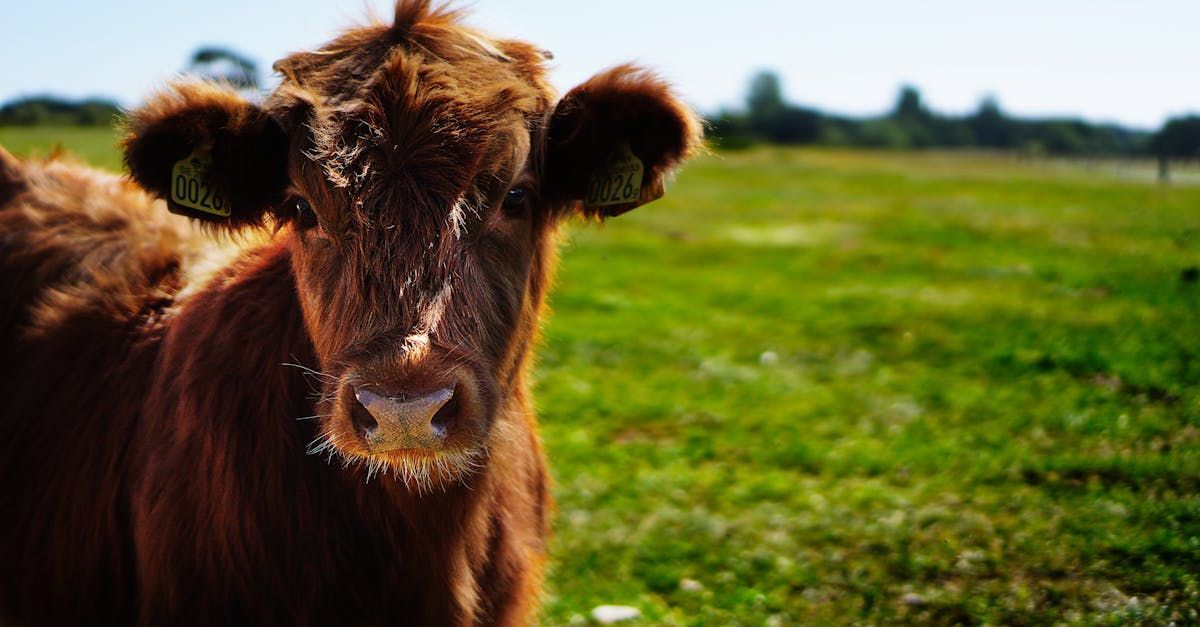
pixel 1131 62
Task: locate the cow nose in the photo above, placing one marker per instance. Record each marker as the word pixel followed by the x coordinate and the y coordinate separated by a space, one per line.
pixel 390 423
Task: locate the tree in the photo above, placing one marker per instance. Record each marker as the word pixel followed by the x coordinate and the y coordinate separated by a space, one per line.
pixel 1178 138
pixel 770 117
pixel 765 97
pixel 224 64
pixel 46 110
pixel 729 130
pixel 991 127
pixel 908 105
pixel 795 125
pixel 912 125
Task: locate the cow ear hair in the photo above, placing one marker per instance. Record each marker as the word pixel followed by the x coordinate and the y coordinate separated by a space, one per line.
pixel 230 152
pixel 608 128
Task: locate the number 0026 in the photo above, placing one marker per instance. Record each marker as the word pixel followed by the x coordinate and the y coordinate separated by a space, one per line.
pixel 615 188
pixel 197 193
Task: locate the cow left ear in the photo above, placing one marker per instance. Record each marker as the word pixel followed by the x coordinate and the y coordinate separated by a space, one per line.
pixel 611 141
pixel 211 154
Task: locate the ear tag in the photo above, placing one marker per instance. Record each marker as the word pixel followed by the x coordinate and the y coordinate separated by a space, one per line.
pixel 191 187
pixel 618 182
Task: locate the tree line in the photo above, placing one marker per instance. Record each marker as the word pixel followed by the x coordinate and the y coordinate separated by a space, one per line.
pixel 52 110
pixel 768 117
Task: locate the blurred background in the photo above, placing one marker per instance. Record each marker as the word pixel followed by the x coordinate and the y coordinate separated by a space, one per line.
pixel 918 341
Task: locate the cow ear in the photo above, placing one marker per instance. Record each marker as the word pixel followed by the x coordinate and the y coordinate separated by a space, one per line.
pixel 611 141
pixel 209 153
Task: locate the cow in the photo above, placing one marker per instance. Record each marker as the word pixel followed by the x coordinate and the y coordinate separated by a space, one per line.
pixel 308 403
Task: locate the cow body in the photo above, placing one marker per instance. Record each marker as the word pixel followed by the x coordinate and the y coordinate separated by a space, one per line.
pixel 154 467
pixel 320 416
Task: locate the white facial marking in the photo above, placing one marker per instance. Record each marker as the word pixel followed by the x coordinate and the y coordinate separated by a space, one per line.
pixel 434 309
pixel 458 218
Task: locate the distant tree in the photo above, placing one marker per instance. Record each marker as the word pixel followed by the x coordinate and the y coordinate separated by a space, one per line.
pixel 729 130
pixel 952 132
pixel 770 117
pixel 1059 137
pixel 837 131
pixel 882 133
pixel 97 112
pixel 1178 138
pixel 46 110
pixel 796 125
pixel 908 105
pixel 765 97
pixel 910 123
pixel 991 127
pixel 224 64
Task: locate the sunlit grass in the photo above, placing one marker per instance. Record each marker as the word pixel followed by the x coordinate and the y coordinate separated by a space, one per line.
pixel 842 386
pixel 833 386
pixel 95 144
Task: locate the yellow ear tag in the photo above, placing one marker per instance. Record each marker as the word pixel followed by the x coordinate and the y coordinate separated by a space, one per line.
pixel 191 186
pixel 619 180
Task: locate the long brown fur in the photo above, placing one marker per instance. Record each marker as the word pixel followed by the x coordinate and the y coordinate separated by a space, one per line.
pixel 176 440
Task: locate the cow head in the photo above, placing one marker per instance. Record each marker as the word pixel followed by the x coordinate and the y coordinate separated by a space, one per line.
pixel 417 170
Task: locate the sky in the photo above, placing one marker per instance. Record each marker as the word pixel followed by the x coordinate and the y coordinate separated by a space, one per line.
pixel 1135 63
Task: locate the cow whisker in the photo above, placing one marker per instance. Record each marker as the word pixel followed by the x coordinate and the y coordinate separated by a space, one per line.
pixel 319 397
pixel 310 372
pixel 319 445
pixel 373 467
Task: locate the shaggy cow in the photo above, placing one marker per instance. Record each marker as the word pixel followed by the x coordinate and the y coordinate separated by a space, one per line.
pixel 320 415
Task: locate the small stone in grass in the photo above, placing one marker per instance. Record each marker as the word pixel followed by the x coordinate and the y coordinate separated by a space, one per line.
pixel 615 613
pixel 690 585
pixel 769 358
pixel 912 599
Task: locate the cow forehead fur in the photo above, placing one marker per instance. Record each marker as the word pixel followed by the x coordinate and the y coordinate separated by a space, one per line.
pixel 425 105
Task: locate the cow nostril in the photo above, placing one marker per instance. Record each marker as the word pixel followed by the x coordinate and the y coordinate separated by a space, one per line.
pixel 364 423
pixel 443 420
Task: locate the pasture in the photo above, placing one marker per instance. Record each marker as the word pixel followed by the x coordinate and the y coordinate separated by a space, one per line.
pixel 846 387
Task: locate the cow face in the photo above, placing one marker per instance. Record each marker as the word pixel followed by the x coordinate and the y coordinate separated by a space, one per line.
pixel 417 172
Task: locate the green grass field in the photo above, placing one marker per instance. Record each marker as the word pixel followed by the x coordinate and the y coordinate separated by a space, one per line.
pixel 844 387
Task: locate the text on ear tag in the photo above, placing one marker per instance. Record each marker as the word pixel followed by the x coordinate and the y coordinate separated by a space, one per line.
pixel 619 180
pixel 191 185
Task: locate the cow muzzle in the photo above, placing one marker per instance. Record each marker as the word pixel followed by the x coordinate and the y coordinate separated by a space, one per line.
pixel 389 420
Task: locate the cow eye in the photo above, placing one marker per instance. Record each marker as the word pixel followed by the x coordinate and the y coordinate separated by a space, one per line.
pixel 305 216
pixel 515 198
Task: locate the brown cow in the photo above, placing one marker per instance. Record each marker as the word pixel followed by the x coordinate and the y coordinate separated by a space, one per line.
pixel 320 416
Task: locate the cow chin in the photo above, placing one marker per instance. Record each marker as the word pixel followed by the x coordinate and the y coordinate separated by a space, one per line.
pixel 427 431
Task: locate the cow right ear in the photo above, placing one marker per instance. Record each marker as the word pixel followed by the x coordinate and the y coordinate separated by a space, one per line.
pixel 611 142
pixel 208 152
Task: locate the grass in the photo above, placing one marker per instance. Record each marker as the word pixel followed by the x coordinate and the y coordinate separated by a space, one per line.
pixel 850 387
pixel 95 144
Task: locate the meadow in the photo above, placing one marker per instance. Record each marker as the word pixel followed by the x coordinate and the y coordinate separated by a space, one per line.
pixel 817 386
